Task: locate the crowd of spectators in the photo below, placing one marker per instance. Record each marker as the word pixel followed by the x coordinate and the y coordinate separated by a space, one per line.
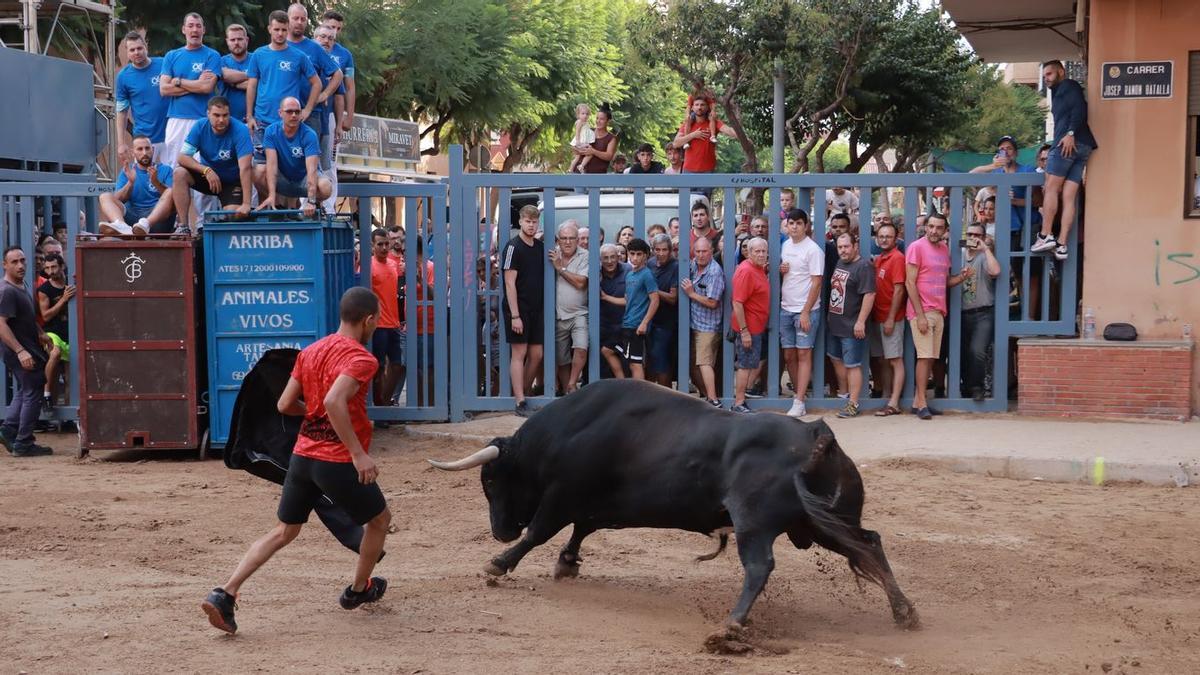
pixel 250 129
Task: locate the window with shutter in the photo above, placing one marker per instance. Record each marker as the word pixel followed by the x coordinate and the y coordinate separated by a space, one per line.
pixel 1191 205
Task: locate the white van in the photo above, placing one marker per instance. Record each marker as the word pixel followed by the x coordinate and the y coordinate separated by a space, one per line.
pixel 616 210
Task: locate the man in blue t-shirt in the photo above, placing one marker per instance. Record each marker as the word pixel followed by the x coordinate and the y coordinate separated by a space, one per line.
pixel 330 130
pixel 328 70
pixel 292 153
pixel 233 70
pixel 276 71
pixel 1005 161
pixel 137 96
pixel 222 169
pixel 142 197
pixel 189 78
pixel 345 60
pixel 641 305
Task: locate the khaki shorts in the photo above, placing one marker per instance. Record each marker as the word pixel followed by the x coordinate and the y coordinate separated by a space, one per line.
pixel 705 345
pixel 569 334
pixel 929 345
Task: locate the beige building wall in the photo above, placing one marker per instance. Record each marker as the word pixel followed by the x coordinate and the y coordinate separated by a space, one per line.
pixel 1142 259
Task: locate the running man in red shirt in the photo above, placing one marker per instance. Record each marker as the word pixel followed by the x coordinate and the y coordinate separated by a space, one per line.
pixel 328 387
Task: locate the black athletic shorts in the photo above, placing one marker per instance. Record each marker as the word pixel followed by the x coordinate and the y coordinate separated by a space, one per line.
pixel 532 328
pixel 309 480
pixel 231 191
pixel 632 345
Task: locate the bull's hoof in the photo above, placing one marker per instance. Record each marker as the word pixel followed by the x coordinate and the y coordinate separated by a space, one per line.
pixel 564 570
pixel 906 617
pixel 495 569
pixel 730 641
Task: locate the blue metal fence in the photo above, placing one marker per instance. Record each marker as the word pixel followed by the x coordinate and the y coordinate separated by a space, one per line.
pixel 28 210
pixel 461 365
pixel 481 218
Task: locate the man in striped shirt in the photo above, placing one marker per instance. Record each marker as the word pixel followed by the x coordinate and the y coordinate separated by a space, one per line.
pixel 705 284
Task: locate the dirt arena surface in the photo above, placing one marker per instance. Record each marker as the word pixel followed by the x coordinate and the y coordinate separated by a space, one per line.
pixel 103 565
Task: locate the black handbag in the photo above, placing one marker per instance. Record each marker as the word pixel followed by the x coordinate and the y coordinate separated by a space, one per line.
pixel 1120 332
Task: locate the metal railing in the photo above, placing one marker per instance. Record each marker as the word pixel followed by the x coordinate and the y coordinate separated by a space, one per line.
pixel 461 366
pixel 481 220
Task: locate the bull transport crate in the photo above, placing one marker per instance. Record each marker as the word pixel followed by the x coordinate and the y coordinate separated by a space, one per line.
pixel 140 369
pixel 271 284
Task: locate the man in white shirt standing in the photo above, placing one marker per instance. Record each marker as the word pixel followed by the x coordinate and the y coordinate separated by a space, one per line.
pixel 801 270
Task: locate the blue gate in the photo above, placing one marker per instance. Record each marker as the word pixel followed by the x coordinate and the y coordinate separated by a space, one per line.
pixel 481 213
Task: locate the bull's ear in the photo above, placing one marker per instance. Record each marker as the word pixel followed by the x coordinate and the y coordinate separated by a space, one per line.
pixel 823 445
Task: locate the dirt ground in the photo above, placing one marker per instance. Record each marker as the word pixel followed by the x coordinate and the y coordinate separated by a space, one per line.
pixel 103 564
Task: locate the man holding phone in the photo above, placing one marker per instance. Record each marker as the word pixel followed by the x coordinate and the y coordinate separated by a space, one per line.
pixel 1005 161
pixel 978 308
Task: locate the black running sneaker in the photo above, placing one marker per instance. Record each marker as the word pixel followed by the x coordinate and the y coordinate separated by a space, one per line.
pixel 219 607
pixel 372 593
pixel 8 437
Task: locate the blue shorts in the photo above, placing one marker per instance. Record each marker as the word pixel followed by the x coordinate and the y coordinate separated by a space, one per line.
pixel 662 349
pixel 134 214
pixel 387 344
pixel 1070 168
pixel 849 351
pixel 748 358
pixel 290 188
pixel 791 336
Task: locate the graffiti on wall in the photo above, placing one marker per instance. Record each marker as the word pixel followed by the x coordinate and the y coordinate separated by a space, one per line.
pixel 1174 268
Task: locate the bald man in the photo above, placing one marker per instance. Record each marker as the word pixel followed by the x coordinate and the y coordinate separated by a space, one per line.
pixel 293 154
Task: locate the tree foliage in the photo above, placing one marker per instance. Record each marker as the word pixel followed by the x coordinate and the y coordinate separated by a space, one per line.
pixel 996 108
pixel 162 20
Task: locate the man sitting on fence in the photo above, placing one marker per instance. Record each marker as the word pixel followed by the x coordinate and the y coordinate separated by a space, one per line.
pixel 223 170
pixel 293 155
pixel 143 195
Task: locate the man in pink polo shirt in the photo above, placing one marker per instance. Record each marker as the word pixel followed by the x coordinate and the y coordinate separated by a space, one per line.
pixel 927 266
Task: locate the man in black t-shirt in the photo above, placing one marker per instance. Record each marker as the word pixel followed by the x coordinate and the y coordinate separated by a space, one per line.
pixel 523 262
pixel 52 297
pixel 22 343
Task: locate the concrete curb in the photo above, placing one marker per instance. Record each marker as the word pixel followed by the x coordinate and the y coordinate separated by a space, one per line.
pixel 1093 470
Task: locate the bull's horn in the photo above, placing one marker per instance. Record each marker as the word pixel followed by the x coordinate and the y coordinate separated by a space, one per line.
pixel 469 462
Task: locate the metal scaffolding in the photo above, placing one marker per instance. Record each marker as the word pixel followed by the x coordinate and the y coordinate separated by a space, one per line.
pixel 77 30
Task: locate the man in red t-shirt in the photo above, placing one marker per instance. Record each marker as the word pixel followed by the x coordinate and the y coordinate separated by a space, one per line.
pixel 328 387
pixel 751 305
pixel 695 137
pixel 387 343
pixel 886 332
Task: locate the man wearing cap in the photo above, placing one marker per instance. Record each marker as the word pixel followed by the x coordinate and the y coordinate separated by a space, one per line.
pixel 1005 161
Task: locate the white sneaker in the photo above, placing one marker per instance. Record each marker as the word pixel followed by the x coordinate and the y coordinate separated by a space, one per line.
pixel 115 228
pixel 797 410
pixel 141 228
pixel 1043 243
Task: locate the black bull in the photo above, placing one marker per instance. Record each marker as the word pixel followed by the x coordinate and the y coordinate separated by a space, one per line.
pixel 261 439
pixel 624 453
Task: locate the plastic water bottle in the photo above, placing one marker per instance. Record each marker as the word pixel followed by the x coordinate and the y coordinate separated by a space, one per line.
pixel 1089 323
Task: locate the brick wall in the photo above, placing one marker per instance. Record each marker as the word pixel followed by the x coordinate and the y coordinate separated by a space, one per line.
pixel 1095 378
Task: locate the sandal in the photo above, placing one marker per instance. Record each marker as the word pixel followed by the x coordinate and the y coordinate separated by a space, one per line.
pixel 888 411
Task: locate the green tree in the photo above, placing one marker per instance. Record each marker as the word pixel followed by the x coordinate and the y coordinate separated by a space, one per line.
pixel 995 108
pixel 724 46
pixel 162 20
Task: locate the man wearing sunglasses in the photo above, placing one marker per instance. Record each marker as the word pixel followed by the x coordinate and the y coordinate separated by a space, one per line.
pixel 293 153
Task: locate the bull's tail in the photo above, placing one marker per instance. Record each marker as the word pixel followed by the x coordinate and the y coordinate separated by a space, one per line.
pixel 849 541
pixel 724 541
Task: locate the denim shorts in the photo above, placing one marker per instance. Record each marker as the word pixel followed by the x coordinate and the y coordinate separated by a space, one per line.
pixel 849 351
pixel 1070 168
pixel 792 336
pixel 387 344
pixel 287 187
pixel 662 349
pixel 747 358
pixel 256 139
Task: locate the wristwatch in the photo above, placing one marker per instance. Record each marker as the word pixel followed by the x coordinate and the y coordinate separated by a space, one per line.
pixel 1071 132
